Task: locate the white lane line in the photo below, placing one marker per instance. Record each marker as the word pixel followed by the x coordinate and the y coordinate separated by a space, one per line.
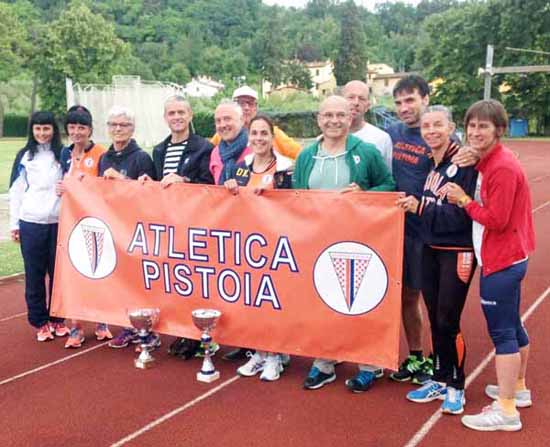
pixel 48 365
pixel 434 418
pixel 173 413
pixel 22 314
pixel 544 205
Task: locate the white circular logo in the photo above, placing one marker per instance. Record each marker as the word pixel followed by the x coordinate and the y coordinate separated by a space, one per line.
pixel 350 278
pixel 91 248
pixel 267 179
pixel 452 170
pixel 89 162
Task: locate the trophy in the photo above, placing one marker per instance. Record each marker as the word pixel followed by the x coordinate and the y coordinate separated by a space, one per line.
pixel 144 320
pixel 205 320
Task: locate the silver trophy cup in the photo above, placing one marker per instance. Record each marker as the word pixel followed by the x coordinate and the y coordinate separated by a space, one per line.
pixel 144 320
pixel 205 320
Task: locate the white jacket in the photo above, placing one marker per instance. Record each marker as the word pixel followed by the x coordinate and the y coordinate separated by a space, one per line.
pixel 32 194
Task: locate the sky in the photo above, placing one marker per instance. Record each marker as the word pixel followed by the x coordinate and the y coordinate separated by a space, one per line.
pixel 370 4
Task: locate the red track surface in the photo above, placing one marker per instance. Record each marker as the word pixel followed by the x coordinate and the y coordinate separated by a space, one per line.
pixel 97 397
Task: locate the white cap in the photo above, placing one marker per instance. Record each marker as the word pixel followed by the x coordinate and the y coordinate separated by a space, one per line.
pixel 245 90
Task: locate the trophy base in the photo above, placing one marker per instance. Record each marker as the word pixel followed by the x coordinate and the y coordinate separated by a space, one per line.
pixel 208 378
pixel 140 364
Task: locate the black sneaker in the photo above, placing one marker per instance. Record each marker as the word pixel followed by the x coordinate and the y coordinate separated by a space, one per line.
pixel 316 379
pixel 361 382
pixel 408 369
pixel 184 348
pixel 236 354
pixel 425 373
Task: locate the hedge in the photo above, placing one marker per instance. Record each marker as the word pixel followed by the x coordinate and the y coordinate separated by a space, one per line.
pixel 15 125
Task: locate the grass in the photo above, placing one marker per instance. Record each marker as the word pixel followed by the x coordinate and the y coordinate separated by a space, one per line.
pixel 11 261
pixel 8 149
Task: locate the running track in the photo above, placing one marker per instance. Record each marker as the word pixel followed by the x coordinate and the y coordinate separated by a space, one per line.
pixel 94 396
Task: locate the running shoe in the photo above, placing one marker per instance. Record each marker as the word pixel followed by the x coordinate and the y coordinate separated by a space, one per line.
pixel 60 329
pixel 254 365
pixel 454 401
pixel 425 373
pixel 76 338
pixel 317 379
pixel 124 338
pixel 102 332
pixel 362 381
pixel 184 348
pixel 426 393
pixel 236 354
pixel 408 369
pixel 44 333
pixel 523 397
pixel 285 360
pixel 272 368
pixel 492 418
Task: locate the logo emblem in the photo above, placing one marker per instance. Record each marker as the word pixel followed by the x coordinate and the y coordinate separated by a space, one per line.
pixel 350 278
pixel 88 162
pixel 452 170
pixel 91 248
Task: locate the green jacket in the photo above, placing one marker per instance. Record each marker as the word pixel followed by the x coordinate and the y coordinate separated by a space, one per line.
pixel 367 168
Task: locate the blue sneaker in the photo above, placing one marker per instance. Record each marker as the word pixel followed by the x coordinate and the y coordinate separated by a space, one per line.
pixel 428 392
pixel 454 401
pixel 361 382
pixel 317 379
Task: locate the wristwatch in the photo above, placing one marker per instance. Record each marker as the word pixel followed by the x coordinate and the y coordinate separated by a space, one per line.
pixel 463 201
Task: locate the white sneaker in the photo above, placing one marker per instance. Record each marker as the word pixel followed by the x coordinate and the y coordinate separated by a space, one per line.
pixel 492 418
pixel 254 365
pixel 523 398
pixel 272 368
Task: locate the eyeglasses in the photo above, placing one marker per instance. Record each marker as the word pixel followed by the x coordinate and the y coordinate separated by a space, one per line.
pixel 330 116
pixel 246 102
pixel 121 125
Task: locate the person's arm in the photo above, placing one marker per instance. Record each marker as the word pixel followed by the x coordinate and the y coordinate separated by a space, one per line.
pixel 146 165
pixel 285 145
pixel 16 192
pixel 204 176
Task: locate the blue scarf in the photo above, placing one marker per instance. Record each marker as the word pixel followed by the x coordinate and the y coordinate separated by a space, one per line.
pixel 230 153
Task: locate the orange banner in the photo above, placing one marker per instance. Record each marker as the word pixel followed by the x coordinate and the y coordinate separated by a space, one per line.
pixel 311 273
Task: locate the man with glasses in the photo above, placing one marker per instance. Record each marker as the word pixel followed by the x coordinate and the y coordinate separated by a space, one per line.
pixel 338 161
pixel 247 98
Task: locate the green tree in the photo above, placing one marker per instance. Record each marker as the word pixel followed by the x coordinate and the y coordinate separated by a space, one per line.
pixel 13 50
pixel 351 60
pixel 79 45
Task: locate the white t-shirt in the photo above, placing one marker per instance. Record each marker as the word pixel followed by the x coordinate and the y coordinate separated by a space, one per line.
pixel 477 228
pixel 373 135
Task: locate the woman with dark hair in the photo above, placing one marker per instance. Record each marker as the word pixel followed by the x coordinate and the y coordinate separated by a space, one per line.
pixel 262 169
pixel 34 212
pixel 503 236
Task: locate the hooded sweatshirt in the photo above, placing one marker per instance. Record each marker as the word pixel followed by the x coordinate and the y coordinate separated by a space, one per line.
pixel 132 161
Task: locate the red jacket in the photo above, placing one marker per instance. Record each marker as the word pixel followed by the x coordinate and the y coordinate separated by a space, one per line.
pixel 506 214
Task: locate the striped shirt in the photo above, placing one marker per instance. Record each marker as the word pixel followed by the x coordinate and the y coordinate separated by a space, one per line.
pixel 174 152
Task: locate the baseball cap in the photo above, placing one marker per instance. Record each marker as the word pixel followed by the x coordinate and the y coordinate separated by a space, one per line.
pixel 245 90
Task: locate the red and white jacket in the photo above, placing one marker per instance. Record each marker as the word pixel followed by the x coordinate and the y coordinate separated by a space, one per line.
pixel 505 212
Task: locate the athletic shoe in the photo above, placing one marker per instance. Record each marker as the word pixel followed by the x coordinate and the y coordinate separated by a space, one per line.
pixel 124 338
pixel 214 347
pixel 492 418
pixel 152 341
pixel 236 354
pixel 523 397
pixel 272 368
pixel 102 332
pixel 425 373
pixel 408 368
pixel 454 401
pixel 362 381
pixel 76 338
pixel 254 365
pixel 317 379
pixel 44 333
pixel 426 393
pixel 184 348
pixel 285 360
pixel 60 329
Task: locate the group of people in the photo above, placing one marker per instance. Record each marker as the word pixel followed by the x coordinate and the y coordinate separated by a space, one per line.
pixel 465 206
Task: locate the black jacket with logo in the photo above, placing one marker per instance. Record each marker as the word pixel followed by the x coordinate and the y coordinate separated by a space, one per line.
pixel 132 161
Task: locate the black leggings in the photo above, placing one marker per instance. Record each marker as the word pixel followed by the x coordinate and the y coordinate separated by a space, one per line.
pixel 446 277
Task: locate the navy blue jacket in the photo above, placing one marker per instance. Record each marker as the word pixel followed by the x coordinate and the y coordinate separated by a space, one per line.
pixel 444 224
pixel 132 161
